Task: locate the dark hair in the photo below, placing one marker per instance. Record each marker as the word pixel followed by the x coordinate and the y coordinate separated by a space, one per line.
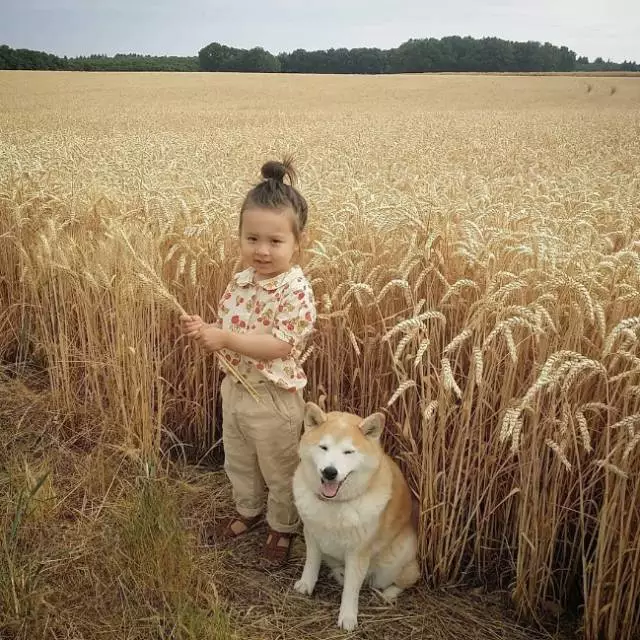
pixel 274 193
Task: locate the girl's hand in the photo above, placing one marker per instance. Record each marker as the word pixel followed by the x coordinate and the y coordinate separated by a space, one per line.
pixel 211 338
pixel 191 325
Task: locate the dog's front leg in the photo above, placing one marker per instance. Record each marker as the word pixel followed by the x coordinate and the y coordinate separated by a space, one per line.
pixel 355 570
pixel 312 563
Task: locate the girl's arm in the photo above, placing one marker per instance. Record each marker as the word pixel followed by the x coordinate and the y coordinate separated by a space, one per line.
pixel 256 346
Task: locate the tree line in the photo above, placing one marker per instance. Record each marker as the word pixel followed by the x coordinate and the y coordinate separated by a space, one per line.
pixel 28 59
pixel 449 54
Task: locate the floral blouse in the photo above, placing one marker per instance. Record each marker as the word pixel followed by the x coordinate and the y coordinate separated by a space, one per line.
pixel 283 307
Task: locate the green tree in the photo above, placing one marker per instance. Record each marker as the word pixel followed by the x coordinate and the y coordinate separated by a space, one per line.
pixel 29 59
pixel 219 57
pixel 257 60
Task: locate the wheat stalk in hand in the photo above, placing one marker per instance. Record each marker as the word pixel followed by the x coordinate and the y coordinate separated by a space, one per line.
pixel 151 280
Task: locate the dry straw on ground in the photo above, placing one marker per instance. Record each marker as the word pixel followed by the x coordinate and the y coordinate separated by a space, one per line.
pixel 100 543
pixel 474 249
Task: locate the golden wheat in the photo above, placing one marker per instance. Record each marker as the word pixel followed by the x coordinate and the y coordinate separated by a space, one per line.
pixel 492 241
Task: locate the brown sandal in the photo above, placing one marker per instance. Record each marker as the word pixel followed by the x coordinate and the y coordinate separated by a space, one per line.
pixel 278 546
pixel 227 528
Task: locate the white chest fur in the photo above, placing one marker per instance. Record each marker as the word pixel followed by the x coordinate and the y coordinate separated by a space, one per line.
pixel 339 527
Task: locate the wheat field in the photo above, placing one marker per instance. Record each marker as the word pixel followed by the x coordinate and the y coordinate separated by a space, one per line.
pixel 474 249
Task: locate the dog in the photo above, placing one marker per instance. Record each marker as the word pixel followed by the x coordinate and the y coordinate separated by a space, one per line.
pixel 355 508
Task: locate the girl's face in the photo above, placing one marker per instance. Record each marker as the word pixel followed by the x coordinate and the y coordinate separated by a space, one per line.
pixel 267 241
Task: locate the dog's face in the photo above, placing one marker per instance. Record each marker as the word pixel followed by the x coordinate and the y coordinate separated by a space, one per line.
pixel 339 452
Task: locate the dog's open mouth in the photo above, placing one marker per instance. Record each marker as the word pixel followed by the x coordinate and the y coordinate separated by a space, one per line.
pixel 329 489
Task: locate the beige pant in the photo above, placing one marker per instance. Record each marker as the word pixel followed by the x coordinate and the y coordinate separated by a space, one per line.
pixel 261 449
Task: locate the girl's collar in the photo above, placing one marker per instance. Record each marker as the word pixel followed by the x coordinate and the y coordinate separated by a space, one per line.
pixel 245 278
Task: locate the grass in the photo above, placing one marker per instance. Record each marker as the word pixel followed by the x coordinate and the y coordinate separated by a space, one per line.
pixel 94 543
pixel 474 250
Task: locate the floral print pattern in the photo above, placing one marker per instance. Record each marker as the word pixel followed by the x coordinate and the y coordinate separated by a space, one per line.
pixel 282 307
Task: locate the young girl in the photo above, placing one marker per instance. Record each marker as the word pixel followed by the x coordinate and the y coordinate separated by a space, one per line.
pixel 264 318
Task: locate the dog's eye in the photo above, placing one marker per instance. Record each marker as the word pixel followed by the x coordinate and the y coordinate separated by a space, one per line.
pixel 323 447
pixel 348 452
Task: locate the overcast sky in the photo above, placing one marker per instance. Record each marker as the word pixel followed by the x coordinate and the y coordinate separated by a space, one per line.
pixel 607 28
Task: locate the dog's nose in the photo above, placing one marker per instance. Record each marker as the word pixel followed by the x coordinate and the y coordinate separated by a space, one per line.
pixel 329 473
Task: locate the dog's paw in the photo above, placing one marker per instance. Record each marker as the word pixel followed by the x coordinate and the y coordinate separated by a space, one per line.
pixel 389 595
pixel 347 621
pixel 303 587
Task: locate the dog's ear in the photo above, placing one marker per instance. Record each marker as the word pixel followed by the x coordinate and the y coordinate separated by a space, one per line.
pixel 314 416
pixel 372 426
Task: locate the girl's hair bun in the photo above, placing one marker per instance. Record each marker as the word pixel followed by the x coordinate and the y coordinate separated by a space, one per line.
pixel 275 170
pixel 274 193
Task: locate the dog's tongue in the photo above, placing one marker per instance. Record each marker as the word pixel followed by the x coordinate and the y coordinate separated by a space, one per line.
pixel 329 489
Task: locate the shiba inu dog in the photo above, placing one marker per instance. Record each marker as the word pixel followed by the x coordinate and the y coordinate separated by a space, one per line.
pixel 355 506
